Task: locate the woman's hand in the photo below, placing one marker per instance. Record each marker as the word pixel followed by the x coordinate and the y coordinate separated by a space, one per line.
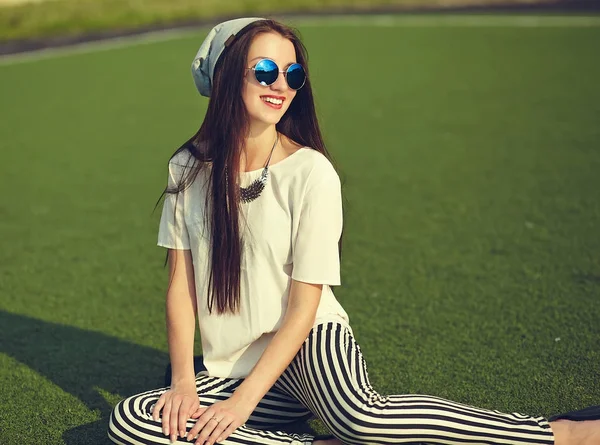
pixel 218 421
pixel 178 404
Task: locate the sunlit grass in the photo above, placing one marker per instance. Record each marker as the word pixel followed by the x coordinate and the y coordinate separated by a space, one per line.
pixel 469 158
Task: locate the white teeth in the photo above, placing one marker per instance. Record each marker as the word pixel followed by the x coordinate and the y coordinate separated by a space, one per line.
pixel 272 100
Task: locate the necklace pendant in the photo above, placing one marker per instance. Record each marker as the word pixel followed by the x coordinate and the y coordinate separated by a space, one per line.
pixel 253 191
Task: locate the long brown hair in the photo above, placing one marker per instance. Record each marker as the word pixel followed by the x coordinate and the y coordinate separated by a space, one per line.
pixel 219 143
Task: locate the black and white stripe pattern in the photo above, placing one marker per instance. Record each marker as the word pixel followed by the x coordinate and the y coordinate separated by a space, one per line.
pixel 131 420
pixel 328 378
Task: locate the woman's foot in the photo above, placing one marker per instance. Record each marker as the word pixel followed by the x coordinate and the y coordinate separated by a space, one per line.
pixel 569 432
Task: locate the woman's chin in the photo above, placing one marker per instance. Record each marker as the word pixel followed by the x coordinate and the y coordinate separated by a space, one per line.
pixel 270 119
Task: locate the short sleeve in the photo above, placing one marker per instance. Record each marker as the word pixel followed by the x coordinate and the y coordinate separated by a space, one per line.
pixel 315 248
pixel 172 231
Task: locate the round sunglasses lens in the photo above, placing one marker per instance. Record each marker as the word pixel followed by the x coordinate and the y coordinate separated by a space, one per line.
pixel 266 72
pixel 295 76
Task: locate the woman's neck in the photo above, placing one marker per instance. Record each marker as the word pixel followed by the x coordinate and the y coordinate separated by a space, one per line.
pixel 258 147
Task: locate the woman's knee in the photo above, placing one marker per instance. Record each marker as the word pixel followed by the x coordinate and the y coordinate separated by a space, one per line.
pixel 352 425
pixel 132 417
pixel 117 422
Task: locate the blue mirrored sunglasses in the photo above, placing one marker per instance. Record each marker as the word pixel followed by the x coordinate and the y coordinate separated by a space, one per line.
pixel 266 72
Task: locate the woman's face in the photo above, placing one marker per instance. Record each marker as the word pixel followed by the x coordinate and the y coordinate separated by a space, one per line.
pixel 279 49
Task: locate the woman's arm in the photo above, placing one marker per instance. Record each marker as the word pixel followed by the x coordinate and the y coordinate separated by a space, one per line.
pixel 299 318
pixel 298 321
pixel 181 308
pixel 181 400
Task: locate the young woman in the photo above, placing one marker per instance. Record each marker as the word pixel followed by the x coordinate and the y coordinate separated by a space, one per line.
pixel 252 221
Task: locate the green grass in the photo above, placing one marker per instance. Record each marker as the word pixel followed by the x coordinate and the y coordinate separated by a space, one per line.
pixel 469 157
pixel 76 17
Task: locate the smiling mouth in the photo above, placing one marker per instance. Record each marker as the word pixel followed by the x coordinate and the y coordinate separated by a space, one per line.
pixel 272 100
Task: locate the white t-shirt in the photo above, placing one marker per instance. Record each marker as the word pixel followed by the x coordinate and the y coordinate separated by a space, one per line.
pixel 290 231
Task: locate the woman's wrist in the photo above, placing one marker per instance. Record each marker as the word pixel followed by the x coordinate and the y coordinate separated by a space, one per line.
pixel 182 367
pixel 183 381
pixel 244 394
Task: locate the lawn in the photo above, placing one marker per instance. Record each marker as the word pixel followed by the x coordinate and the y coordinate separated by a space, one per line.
pixel 25 19
pixel 469 150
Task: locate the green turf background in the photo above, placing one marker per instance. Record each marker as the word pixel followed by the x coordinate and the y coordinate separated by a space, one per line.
pixel 60 18
pixel 471 268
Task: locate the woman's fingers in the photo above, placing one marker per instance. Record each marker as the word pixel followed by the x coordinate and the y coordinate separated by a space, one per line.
pixel 218 431
pixel 157 407
pixel 203 424
pixel 172 422
pixel 176 410
pixel 198 412
pixel 166 415
pixel 208 428
pixel 225 434
pixel 186 408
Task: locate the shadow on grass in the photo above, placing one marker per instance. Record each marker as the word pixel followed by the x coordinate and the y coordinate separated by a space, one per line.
pixel 81 361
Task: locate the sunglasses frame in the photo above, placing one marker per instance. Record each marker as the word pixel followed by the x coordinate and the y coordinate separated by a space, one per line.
pixel 285 73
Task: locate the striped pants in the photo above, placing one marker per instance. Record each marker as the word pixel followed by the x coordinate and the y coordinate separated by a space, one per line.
pixel 328 379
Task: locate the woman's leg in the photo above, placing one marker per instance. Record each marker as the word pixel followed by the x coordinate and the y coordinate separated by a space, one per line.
pixel 329 376
pixel 131 420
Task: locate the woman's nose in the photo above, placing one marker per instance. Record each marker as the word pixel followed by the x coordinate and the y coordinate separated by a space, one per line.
pixel 280 83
